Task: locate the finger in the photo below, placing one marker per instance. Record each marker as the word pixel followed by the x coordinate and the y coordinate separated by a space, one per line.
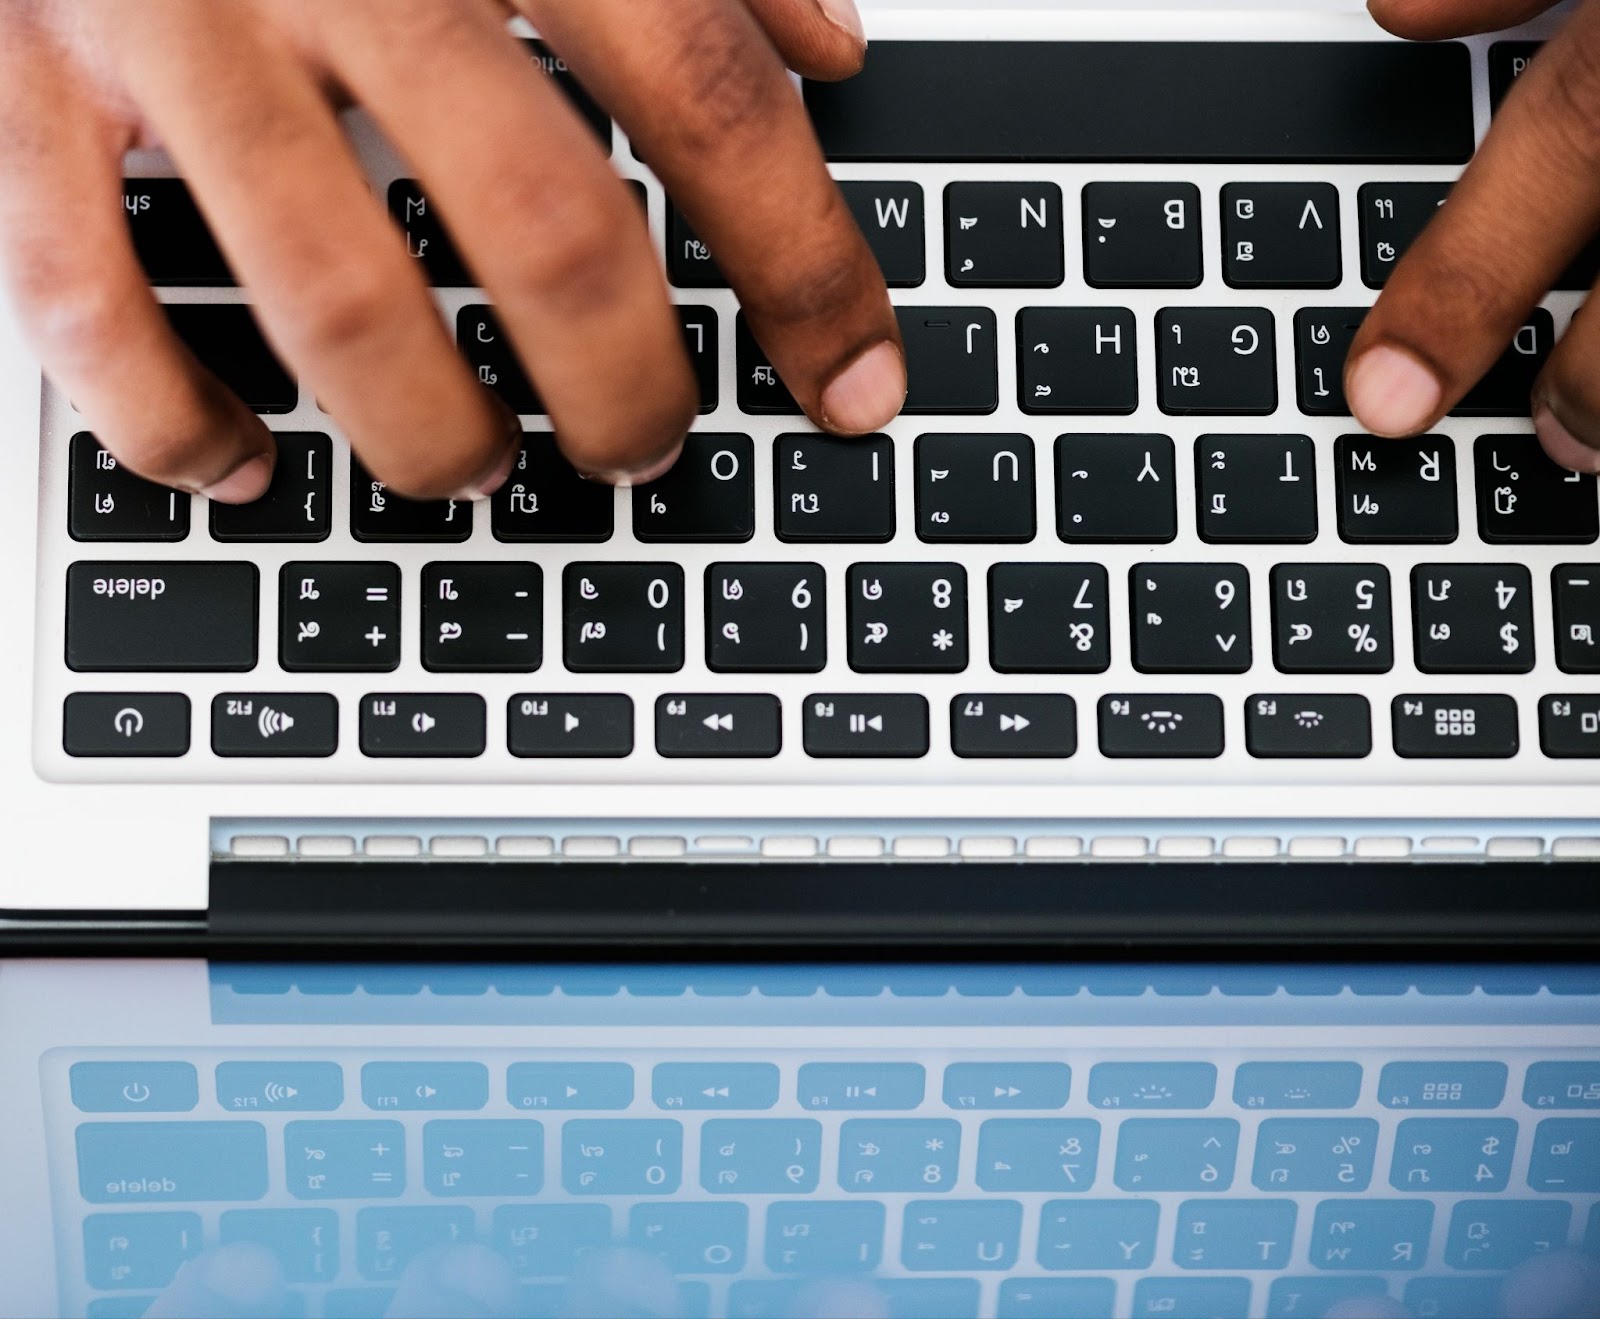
pixel 704 96
pixel 1524 208
pixel 540 216
pixel 1435 20
pixel 817 38
pixel 1566 409
pixel 83 300
pixel 332 284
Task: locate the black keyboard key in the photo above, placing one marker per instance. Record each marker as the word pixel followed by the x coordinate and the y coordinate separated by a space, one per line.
pixel 1455 727
pixel 1525 499
pixel 298 504
pixel 1116 489
pixel 1281 235
pixel 489 352
pixel 274 724
pixel 623 617
pixel 161 617
pixel 1004 235
pixel 700 342
pixel 1392 215
pixel 1190 617
pixel 105 501
pixel 560 725
pixel 423 724
pixel 1270 102
pixel 1569 727
pixel 1077 360
pixel 709 494
pixel 545 499
pixel 482 617
pixel 1507 387
pixel 426 238
pixel 1576 588
pixel 1013 727
pixel 125 724
pixel 952 365
pixel 907 617
pixel 1332 618
pixel 743 727
pixel 339 617
pixel 1256 488
pixel 1216 360
pixel 890 215
pixel 762 392
pixel 1472 617
pixel 170 236
pixel 766 618
pixel 589 110
pixel 690 264
pixel 1049 618
pixel 830 489
pixel 230 345
pixel 975 488
pixel 1396 492
pixel 1322 339
pixel 378 514
pixel 1310 727
pixel 865 725
pixel 1161 727
pixel 1508 61
pixel 1142 236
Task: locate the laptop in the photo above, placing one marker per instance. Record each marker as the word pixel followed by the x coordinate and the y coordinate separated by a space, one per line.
pixel 1119 730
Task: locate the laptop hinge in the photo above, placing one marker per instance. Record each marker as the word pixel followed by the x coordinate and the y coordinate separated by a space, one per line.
pixel 1502 910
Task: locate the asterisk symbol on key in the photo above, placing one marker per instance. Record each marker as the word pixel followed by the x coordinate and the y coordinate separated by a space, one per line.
pixel 935 1144
pixel 942 640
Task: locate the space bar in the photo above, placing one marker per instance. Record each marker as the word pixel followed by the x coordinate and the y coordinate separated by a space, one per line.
pixel 1268 102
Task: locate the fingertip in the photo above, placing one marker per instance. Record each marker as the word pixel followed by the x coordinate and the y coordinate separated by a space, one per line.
pixel 868 394
pixel 1563 447
pixel 246 483
pixel 1392 392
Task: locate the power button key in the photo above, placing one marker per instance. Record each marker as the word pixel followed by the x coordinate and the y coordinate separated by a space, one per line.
pixel 126 724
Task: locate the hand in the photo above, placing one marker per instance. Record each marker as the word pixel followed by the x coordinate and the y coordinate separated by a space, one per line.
pixel 1526 206
pixel 244 96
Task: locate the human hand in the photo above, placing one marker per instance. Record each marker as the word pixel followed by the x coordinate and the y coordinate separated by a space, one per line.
pixel 1526 206
pixel 245 95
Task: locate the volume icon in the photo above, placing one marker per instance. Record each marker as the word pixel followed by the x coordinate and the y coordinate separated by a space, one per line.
pixel 271 722
pixel 278 1094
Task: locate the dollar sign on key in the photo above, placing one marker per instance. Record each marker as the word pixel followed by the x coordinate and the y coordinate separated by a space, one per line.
pixel 1491 1144
pixel 1508 635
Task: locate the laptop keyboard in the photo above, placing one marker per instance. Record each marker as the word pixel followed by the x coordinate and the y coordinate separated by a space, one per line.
pixel 1013 1185
pixel 1123 521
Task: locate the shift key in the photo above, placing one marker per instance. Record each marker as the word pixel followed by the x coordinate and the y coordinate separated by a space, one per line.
pixel 144 1162
pixel 126 616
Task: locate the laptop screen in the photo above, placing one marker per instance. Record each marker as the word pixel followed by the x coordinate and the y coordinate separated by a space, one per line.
pixel 761 1141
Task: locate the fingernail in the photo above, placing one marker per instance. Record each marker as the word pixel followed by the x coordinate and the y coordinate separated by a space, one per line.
pixel 844 14
pixel 639 475
pixel 497 475
pixel 1562 445
pixel 866 394
pixel 244 484
pixel 1392 393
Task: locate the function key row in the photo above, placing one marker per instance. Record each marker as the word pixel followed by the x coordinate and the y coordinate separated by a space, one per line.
pixel 970 489
pixel 772 617
pixel 710 726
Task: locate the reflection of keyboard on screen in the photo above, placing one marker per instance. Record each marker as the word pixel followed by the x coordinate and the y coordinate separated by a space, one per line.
pixel 964 1170
pixel 1123 520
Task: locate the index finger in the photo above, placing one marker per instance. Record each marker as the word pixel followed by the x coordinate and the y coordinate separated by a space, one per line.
pixel 1525 207
pixel 706 100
